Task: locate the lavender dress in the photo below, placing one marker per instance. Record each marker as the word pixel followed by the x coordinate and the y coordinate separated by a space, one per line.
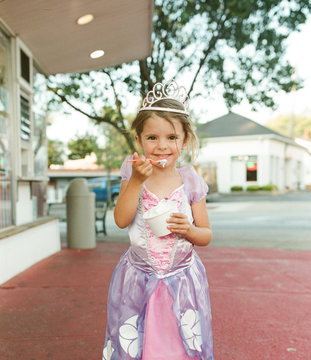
pixel 158 304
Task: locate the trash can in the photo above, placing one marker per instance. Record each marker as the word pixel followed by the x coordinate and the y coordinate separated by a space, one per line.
pixel 80 204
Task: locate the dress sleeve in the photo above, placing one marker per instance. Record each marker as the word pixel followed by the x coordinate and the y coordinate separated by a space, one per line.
pixel 126 169
pixel 195 186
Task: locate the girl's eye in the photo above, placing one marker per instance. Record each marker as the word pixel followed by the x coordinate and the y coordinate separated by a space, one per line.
pixel 173 137
pixel 151 137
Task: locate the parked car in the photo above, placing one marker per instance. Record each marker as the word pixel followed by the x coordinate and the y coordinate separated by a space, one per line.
pixel 99 186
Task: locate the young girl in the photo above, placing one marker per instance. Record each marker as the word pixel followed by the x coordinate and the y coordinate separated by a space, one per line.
pixel 158 302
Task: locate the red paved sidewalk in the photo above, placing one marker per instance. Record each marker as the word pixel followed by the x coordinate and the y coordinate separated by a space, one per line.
pixel 261 304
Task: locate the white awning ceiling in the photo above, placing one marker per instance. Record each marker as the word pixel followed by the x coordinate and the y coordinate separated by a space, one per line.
pixel 122 28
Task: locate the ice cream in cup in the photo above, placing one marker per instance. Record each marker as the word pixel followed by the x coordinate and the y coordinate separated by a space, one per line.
pixel 156 217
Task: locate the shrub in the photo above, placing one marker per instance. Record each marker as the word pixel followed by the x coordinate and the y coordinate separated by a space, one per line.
pixel 253 188
pixel 236 188
pixel 269 187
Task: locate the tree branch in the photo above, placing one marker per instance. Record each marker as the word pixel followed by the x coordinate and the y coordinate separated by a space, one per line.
pixel 210 47
pixel 122 129
pixel 105 119
pixel 186 62
pixel 118 102
pixel 144 73
pixel 93 117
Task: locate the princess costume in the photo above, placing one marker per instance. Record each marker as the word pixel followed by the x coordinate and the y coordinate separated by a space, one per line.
pixel 158 304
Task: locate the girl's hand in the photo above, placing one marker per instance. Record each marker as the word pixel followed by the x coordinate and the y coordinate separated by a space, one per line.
pixel 179 223
pixel 200 232
pixel 141 169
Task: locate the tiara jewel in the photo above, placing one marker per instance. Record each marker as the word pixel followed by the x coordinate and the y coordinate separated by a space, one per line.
pixel 167 90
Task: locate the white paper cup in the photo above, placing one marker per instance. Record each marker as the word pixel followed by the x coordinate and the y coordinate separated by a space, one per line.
pixel 156 217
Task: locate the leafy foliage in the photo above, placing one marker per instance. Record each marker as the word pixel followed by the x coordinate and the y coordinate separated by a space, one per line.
pixel 282 124
pixel 236 45
pixel 114 151
pixel 269 187
pixel 56 152
pixel 253 188
pixel 82 146
pixel 236 188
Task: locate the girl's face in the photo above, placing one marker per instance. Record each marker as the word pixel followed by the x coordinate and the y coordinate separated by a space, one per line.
pixel 159 140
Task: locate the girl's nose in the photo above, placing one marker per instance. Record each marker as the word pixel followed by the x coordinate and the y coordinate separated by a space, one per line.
pixel 162 144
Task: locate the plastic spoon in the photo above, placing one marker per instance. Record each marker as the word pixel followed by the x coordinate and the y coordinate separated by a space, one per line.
pixel 161 162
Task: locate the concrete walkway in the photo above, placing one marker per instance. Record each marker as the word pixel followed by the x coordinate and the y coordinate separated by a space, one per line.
pixel 261 297
pixel 261 304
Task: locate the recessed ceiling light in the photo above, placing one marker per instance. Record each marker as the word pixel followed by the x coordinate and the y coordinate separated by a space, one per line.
pixel 97 54
pixel 85 19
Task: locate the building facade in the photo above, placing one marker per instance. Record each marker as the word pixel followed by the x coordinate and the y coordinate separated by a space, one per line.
pixel 23 161
pixel 37 40
pixel 242 153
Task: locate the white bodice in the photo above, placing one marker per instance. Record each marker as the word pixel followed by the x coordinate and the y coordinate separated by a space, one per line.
pixel 164 255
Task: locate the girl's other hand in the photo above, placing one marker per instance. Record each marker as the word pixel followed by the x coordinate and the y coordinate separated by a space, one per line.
pixel 142 168
pixel 179 223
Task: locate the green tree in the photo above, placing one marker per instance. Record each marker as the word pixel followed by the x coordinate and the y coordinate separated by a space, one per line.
pixel 236 45
pixel 81 146
pixel 282 124
pixel 112 154
pixel 56 152
pixel 114 151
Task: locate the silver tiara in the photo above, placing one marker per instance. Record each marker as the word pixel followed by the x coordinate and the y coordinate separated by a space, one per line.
pixel 167 90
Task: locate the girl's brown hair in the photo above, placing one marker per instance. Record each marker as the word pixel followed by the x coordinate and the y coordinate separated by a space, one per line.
pixel 190 136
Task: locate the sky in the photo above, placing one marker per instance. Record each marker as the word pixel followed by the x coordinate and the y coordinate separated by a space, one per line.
pixel 65 127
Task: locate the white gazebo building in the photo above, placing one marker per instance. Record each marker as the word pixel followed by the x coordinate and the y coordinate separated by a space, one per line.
pixel 237 151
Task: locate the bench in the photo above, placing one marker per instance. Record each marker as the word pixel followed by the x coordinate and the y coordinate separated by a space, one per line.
pixel 57 209
pixel 101 207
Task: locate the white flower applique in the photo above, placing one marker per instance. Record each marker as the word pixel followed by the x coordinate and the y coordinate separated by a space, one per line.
pixel 191 328
pixel 108 351
pixel 128 336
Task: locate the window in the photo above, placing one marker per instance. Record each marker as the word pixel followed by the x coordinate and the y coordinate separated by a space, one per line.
pixel 6 202
pixel 25 66
pixel 39 142
pixel 39 111
pixel 251 168
pixel 25 72
pixel 25 118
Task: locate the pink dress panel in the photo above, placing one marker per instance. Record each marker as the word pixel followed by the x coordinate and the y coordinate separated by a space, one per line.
pixel 162 340
pixel 160 248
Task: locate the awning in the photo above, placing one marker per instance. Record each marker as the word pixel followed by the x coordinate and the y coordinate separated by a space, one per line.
pixel 121 28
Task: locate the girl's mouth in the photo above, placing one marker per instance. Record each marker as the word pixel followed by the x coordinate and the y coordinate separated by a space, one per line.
pixel 164 156
pixel 162 162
